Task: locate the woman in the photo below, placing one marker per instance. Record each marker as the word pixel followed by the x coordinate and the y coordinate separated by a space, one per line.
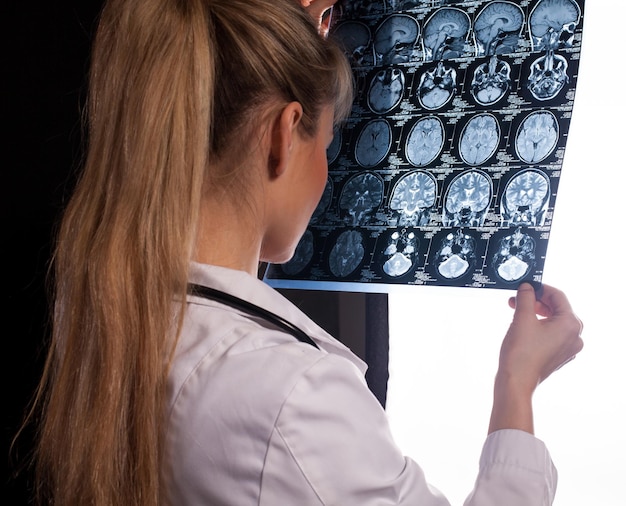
pixel 209 122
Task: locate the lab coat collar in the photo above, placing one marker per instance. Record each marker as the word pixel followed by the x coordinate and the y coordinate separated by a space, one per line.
pixel 243 285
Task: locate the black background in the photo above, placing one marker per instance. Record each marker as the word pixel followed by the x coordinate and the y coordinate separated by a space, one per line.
pixel 45 60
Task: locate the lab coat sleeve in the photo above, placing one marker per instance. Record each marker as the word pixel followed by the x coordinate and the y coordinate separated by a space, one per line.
pixel 515 470
pixel 332 445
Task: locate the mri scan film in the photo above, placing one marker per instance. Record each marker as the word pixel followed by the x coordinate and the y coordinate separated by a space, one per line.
pixel 447 169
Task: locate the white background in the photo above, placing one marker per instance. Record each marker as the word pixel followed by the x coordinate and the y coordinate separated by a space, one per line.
pixel 444 342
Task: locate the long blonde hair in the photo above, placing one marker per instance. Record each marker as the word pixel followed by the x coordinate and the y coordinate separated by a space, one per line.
pixel 174 85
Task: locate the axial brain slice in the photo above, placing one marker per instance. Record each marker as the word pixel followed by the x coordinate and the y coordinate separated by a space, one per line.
pixel 386 89
pixel 455 255
pixel 537 136
pixel 497 28
pixel 413 198
pixel 479 139
pixel 401 250
pixel 346 254
pixel 301 257
pixel 445 32
pixel 424 141
pixel 515 256
pixel 373 143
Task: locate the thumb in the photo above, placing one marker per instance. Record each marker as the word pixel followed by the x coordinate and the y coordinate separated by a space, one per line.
pixel 525 301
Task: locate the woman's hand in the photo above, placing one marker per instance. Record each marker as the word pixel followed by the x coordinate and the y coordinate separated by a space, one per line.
pixel 544 335
pixel 317 9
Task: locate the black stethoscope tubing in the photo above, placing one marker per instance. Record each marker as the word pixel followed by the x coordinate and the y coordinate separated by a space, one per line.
pixel 252 309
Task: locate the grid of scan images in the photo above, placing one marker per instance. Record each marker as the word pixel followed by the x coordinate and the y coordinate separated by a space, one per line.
pixel 446 172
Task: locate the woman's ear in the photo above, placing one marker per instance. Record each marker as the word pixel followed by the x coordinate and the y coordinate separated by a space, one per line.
pixel 284 135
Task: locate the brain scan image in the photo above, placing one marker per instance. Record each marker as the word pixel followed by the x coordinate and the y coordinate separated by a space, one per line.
pixel 491 81
pixel 354 38
pixel 437 86
pixel 445 34
pixel 498 28
pixel 467 200
pixel 456 255
pixel 360 198
pixel 385 90
pixel 301 257
pixel 324 202
pixel 400 252
pixel 395 40
pixel 548 76
pixel 335 146
pixel 536 136
pixel 515 256
pixel 346 254
pixel 373 143
pixel 413 198
pixel 525 199
pixel 479 139
pixel 425 141
pixel 552 24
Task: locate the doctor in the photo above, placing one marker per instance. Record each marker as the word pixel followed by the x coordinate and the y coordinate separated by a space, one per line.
pixel 175 376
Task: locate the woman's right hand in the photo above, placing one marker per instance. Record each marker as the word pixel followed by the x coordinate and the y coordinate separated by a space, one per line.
pixel 544 335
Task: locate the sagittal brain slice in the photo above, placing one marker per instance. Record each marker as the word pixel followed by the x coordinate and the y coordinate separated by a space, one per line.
pixel 395 40
pixel 497 28
pixel 445 34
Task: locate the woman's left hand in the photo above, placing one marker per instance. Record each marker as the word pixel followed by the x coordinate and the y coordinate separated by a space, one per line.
pixel 317 9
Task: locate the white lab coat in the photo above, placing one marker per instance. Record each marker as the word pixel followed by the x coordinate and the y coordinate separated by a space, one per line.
pixel 256 417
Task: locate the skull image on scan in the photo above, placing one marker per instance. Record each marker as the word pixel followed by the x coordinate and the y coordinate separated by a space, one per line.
pixel 354 38
pixel 445 34
pixel 324 202
pixel 491 81
pixel 346 254
pixel 425 141
pixel 552 24
pixel 467 200
pixel 301 257
pixel 479 139
pixel 413 198
pixel 361 196
pixel 395 40
pixel 537 136
pixel 437 86
pixel 515 256
pixel 401 253
pixel 525 199
pixel 373 143
pixel 456 255
pixel 385 90
pixel 498 28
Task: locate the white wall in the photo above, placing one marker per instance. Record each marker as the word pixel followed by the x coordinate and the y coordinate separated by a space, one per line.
pixel 444 342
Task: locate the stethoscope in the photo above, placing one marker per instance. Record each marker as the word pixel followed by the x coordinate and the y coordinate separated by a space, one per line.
pixel 252 309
